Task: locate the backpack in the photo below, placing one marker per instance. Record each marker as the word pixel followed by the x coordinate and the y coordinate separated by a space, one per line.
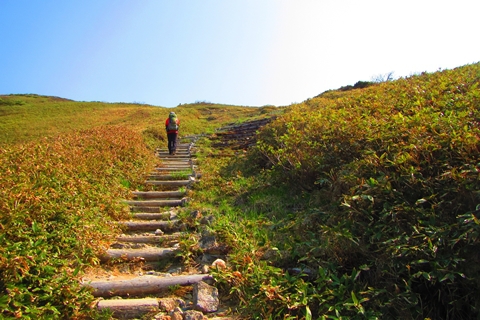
pixel 172 124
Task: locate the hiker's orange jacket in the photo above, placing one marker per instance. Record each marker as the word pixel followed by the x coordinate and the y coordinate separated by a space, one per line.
pixel 166 125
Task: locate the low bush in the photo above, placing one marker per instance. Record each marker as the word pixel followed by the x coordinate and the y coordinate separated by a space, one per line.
pixel 382 204
pixel 57 201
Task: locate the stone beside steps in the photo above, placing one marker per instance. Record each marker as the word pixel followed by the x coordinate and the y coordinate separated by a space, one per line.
pixel 150 244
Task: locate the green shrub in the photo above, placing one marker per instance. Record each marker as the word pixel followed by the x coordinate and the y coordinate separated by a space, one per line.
pixel 388 178
pixel 57 200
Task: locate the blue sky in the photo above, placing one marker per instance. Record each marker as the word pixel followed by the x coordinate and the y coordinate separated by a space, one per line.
pixel 248 52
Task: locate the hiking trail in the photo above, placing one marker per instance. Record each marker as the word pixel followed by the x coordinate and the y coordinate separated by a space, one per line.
pixel 141 275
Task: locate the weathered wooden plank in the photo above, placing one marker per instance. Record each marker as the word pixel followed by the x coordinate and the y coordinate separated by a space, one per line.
pixel 143 285
pixel 155 203
pixel 136 210
pixel 129 308
pixel 148 254
pixel 170 183
pixel 150 238
pixel 154 215
pixel 186 158
pixel 167 177
pixel 165 226
pixel 178 155
pixel 158 194
pixel 173 170
pixel 167 163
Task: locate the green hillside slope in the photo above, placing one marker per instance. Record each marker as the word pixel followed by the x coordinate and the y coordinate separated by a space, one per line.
pixel 353 204
pixel 25 118
pixel 374 193
pixel 65 167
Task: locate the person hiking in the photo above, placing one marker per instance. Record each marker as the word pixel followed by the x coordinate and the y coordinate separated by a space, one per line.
pixel 171 125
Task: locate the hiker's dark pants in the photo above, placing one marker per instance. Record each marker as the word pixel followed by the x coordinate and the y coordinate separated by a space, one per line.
pixel 172 142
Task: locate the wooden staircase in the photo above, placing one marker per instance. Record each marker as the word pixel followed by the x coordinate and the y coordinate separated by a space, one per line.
pixel 142 267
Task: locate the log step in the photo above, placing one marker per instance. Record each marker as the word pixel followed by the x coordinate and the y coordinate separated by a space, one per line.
pixel 154 215
pixel 178 154
pixel 169 183
pixel 158 194
pixel 167 177
pixel 140 243
pixel 164 167
pixel 146 254
pixel 175 163
pixel 156 203
pixel 178 159
pixel 143 285
pixel 150 238
pixel 129 308
pixel 181 146
pixel 136 210
pixel 165 226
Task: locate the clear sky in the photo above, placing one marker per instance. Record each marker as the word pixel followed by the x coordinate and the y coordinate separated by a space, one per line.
pixel 241 52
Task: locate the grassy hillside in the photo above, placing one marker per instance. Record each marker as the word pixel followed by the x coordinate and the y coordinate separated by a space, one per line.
pixel 25 118
pixel 359 204
pixel 57 201
pixel 354 204
pixel 65 165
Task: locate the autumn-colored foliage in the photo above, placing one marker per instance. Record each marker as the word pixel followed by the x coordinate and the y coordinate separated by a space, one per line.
pixel 375 192
pixel 57 201
pixel 354 204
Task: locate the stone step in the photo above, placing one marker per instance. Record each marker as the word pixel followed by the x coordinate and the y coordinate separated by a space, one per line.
pixel 143 285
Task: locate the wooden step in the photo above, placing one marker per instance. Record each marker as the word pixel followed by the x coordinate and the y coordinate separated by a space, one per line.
pixel 159 176
pixel 170 162
pixel 165 226
pixel 154 215
pixel 156 203
pixel 143 285
pixel 158 194
pixel 153 210
pixel 129 308
pixel 170 183
pixel 166 238
pixel 178 154
pixel 182 167
pixel 146 254
pixel 143 242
